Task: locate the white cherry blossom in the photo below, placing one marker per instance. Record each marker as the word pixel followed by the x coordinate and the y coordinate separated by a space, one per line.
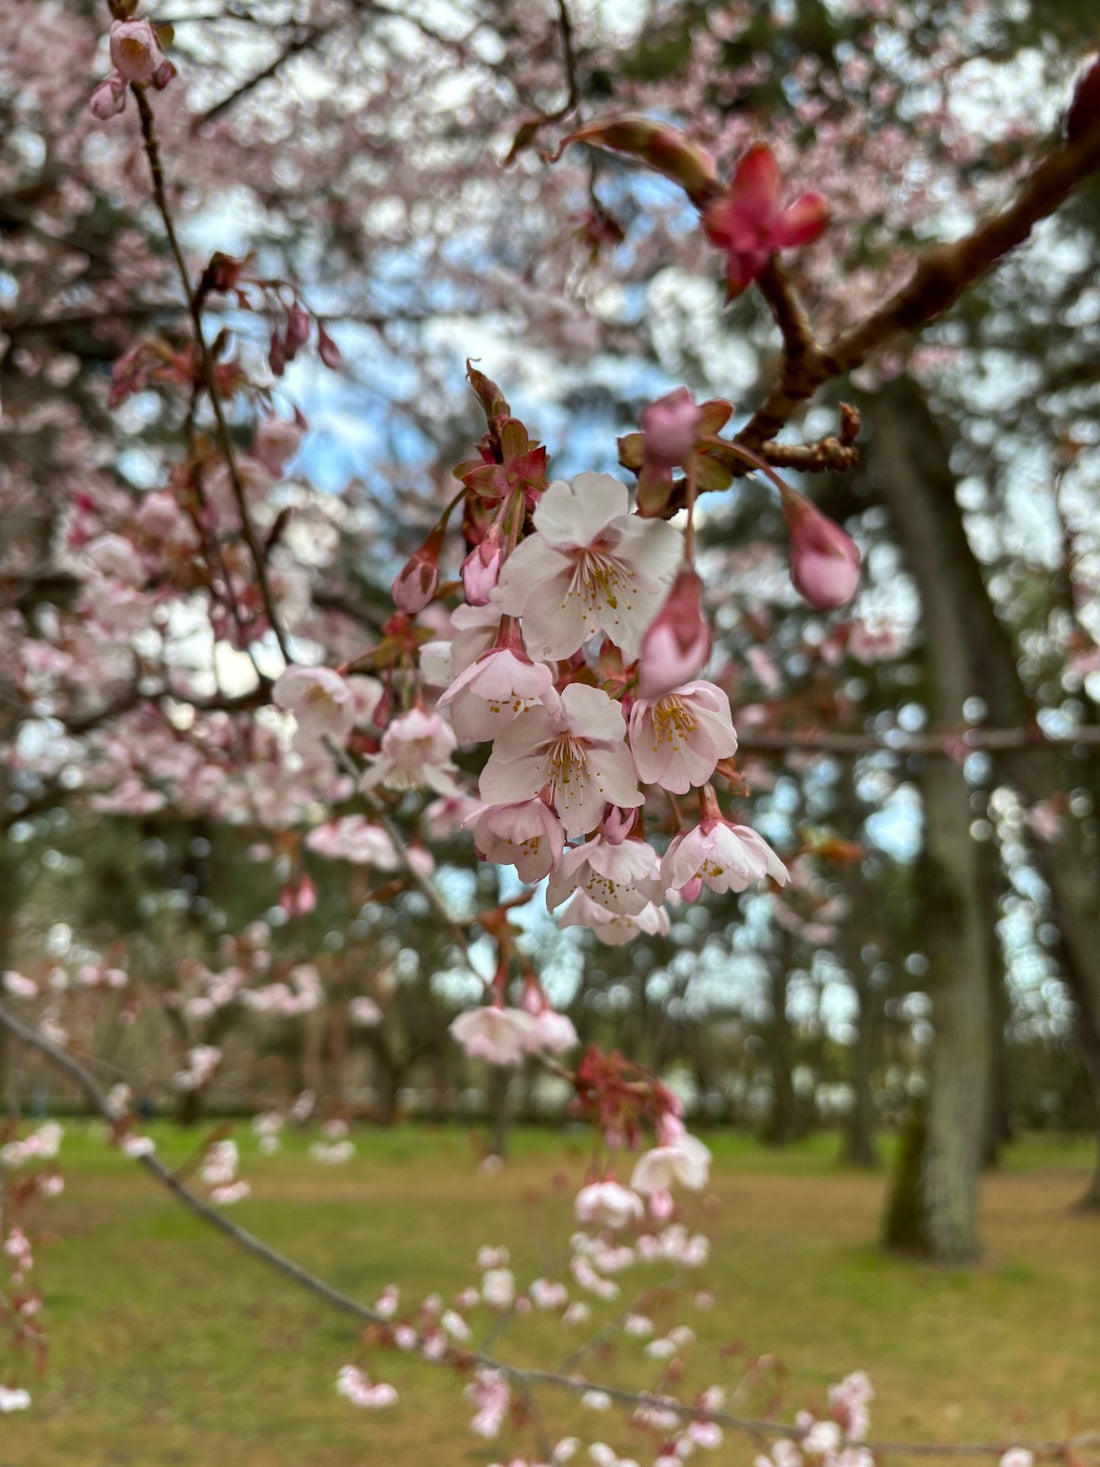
pixel 416 752
pixel 575 746
pixel 501 1036
pixel 620 878
pixel 687 1162
pixel 608 1205
pixel 589 567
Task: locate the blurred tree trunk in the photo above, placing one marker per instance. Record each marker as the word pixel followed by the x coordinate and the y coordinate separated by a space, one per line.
pixel 780 1127
pixel 859 1129
pixel 912 472
pixel 1070 861
pixel 500 1084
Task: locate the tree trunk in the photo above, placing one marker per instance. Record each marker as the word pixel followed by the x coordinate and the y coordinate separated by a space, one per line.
pixel 780 1127
pixel 911 468
pixel 500 1082
pixel 1070 862
pixel 859 1131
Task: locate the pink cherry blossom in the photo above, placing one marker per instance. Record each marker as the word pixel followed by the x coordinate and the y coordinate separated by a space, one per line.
pixel 500 1035
pixel 686 1162
pixel 553 1032
pixel 276 441
pixel 678 739
pixel 750 225
pixel 501 684
pixel 356 1386
pixel 526 835
pixel 590 567
pixel 322 704
pixel 671 427
pixel 491 1397
pixel 620 878
pixel 576 748
pixel 723 856
pixel 614 928
pixel 416 753
pixel 608 1205
pixel 825 562
pixel 109 98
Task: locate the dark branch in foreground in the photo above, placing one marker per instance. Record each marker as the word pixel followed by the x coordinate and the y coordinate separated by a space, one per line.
pixel 522 1377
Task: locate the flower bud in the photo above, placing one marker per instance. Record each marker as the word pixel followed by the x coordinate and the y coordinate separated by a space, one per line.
pixel 416 584
pixel 824 560
pixel 677 644
pixel 136 51
pixel 481 571
pixel 671 428
pixel 109 98
pixel 660 147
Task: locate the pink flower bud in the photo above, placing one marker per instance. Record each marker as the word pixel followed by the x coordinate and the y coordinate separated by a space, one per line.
pixel 671 427
pixel 824 560
pixel 677 644
pixel 109 98
pixel 481 568
pixel 136 51
pixel 417 581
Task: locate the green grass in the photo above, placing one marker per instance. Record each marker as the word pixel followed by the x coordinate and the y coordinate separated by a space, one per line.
pixel 170 1347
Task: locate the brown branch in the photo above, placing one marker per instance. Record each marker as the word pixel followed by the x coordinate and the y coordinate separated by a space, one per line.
pixel 522 1377
pixel 941 275
pixel 304 41
pixel 945 743
pixel 225 442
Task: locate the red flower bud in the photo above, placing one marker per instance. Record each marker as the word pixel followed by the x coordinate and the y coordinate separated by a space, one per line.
pixel 416 584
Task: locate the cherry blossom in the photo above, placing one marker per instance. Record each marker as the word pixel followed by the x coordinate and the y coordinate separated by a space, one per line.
pixel 678 738
pixel 322 703
pixel 677 644
pixel 723 856
pixel 686 1162
pixel 750 225
pixel 416 753
pixel 356 1386
pixel 526 835
pixel 136 51
pixel 496 688
pixel 825 562
pixel 499 1035
pixel 576 748
pixel 620 878
pixel 589 567
pixel 608 1205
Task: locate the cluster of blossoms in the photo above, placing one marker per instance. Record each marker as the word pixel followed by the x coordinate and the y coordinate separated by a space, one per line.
pixel 219 1173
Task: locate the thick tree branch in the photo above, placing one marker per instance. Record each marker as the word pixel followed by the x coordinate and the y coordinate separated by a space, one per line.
pixel 941 275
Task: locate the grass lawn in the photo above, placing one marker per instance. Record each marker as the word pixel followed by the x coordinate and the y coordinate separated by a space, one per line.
pixel 171 1349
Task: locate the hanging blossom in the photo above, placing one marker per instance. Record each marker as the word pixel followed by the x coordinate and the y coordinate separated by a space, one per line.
pixel 590 567
pixel 575 747
pixel 678 738
pixel 416 753
pixel 718 854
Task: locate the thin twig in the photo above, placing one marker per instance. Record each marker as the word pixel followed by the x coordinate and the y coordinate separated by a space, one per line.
pixel 225 441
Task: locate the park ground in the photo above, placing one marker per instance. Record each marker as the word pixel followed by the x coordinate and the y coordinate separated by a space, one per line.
pixel 172 1349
